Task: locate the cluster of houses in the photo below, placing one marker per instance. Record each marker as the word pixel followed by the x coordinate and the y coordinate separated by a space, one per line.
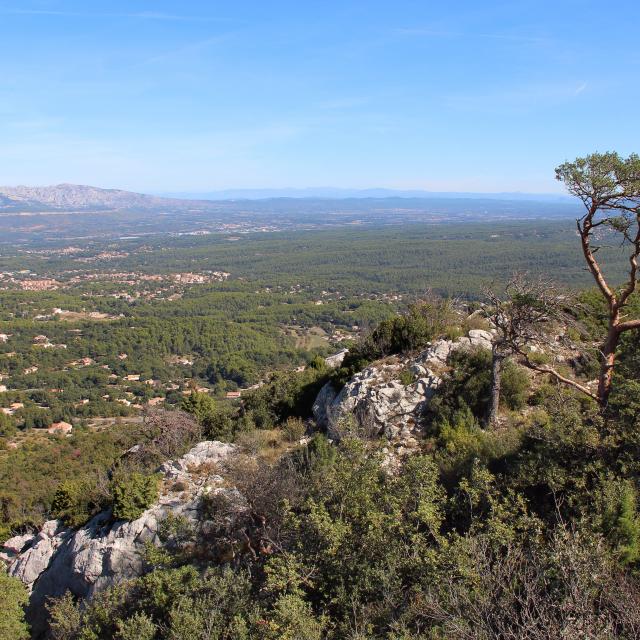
pixel 45 343
pixel 83 362
pixel 42 284
pixel 200 278
pixel 60 428
pixel 12 408
pixel 55 428
pixel 65 428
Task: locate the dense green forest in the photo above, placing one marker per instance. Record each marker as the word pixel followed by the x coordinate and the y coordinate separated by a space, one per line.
pixel 451 259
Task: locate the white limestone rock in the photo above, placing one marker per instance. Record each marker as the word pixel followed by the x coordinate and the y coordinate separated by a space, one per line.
pixel 336 359
pixel 17 544
pixel 28 566
pixel 323 401
pixel 378 400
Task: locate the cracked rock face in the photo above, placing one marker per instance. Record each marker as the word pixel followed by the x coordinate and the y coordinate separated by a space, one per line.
pixel 381 404
pixel 104 552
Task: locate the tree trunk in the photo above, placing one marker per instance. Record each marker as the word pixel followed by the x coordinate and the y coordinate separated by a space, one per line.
pixel 608 363
pixel 496 378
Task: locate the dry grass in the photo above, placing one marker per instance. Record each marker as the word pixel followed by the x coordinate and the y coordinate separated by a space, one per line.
pixel 266 445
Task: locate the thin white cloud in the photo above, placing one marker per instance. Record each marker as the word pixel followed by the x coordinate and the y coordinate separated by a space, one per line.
pixel 518 98
pixel 444 33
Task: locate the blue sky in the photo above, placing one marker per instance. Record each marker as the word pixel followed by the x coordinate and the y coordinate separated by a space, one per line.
pixel 188 96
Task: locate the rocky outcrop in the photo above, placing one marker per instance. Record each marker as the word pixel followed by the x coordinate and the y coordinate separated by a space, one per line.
pixel 16 545
pixel 36 555
pixel 104 552
pixel 323 405
pixel 336 359
pixel 380 403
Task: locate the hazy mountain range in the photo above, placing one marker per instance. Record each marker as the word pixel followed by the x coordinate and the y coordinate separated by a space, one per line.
pixel 334 193
pixel 81 197
pixel 74 196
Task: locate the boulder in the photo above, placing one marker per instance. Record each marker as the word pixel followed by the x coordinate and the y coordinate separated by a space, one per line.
pixel 436 354
pixel 323 401
pixel 378 400
pixel 336 359
pixel 17 544
pixel 480 338
pixel 210 452
pixel 418 370
pixel 28 566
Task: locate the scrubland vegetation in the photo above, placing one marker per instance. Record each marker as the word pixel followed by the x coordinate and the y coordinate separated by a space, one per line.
pixel 521 522
pixel 530 529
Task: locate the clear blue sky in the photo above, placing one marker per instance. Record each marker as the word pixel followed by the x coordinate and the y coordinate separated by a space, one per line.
pixel 170 96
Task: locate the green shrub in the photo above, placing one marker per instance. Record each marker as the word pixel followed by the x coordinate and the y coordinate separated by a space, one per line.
pixel 133 494
pixel 453 332
pixel 7 426
pixel 293 619
pixel 75 501
pixel 217 419
pixel 462 440
pixel 173 604
pixel 515 386
pixel 539 357
pixel 621 521
pixel 319 455
pixel 468 386
pixel 65 617
pixel 138 627
pixel 286 394
pixel 410 332
pixel 406 377
pixel 14 596
pixel 200 405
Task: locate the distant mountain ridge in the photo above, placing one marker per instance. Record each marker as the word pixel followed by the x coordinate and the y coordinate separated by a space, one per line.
pixel 73 196
pixel 335 193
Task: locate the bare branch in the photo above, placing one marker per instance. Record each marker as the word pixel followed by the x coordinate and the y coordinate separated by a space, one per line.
pixel 559 377
pixel 629 325
pixel 520 319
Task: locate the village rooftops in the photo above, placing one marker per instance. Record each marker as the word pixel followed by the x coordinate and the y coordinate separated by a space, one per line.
pixel 60 427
